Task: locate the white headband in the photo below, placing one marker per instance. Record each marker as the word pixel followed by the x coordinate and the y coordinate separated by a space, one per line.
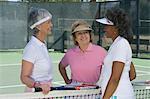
pixel 39 22
pixel 105 21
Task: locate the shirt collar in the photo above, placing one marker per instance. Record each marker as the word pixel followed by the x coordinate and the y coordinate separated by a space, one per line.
pixel 117 39
pixel 37 41
pixel 88 49
pixel 114 42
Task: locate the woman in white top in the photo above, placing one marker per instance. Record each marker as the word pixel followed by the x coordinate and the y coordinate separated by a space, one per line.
pixel 36 63
pixel 118 69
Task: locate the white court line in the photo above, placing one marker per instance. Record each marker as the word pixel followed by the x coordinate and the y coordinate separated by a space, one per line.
pixel 142 66
pixel 3 65
pixel 141 71
pixel 12 86
pixel 142 74
pixel 17 64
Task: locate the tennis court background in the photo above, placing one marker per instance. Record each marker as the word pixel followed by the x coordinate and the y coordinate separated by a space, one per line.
pixel 10 67
pixel 14 35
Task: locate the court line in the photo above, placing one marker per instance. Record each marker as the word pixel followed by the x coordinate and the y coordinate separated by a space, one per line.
pixel 141 71
pixel 3 65
pixel 59 82
pixel 142 74
pixel 17 64
pixel 21 85
pixel 11 86
pixel 142 66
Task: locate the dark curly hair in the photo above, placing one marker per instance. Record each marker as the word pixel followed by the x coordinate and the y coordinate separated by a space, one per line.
pixel 121 21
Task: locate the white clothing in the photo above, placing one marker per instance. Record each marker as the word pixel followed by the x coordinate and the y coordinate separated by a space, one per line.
pixel 121 51
pixel 36 52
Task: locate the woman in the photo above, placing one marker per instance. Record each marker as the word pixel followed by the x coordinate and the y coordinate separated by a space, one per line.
pixel 36 63
pixel 85 59
pixel 118 68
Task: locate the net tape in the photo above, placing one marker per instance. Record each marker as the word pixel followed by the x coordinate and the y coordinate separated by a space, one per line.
pixel 57 94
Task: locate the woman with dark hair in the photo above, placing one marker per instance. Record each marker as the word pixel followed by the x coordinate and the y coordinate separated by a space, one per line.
pixel 85 59
pixel 118 69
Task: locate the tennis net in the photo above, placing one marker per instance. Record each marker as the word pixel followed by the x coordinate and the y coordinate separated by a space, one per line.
pixel 142 89
pixel 57 94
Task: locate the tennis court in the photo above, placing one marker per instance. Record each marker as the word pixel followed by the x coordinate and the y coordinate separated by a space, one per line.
pixel 10 67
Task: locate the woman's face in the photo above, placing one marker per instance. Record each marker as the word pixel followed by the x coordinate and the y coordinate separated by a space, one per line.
pixel 110 31
pixel 46 27
pixel 82 37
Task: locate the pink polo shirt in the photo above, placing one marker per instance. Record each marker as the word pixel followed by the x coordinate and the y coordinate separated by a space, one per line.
pixel 85 66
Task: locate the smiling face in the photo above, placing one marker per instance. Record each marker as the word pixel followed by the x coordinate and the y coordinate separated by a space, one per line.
pixel 82 37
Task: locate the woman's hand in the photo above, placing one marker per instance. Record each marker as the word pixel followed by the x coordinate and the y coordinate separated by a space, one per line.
pixel 46 87
pixel 105 98
pixel 68 81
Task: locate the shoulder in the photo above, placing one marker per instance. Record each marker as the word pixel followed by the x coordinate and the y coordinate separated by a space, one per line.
pixel 71 51
pixel 30 48
pixel 97 47
pixel 123 43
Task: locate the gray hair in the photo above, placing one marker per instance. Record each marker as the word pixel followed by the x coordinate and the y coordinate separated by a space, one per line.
pixel 36 17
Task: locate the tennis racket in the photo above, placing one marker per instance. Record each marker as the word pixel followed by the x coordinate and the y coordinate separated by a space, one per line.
pixel 38 89
pixel 79 87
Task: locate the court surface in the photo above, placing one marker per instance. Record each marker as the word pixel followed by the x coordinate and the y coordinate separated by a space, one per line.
pixel 10 67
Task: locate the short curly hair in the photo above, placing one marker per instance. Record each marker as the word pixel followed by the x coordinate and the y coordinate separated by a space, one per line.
pixel 121 21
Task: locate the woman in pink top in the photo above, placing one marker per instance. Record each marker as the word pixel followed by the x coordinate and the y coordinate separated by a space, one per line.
pixel 85 59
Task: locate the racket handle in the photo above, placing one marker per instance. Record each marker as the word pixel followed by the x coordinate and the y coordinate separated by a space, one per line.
pixel 37 89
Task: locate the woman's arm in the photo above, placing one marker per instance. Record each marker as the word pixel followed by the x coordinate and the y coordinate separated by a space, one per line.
pixel 26 71
pixel 117 69
pixel 132 72
pixel 62 70
pixel 25 74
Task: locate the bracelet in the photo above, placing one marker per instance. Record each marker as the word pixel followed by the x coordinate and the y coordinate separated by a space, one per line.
pixel 34 84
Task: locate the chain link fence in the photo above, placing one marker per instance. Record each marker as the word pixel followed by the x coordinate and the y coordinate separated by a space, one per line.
pixel 14 32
